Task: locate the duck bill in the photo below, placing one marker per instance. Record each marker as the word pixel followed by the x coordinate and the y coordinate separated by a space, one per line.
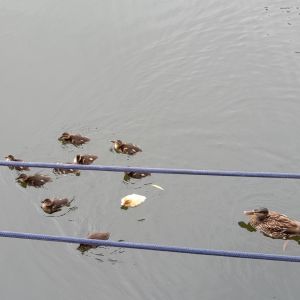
pixel 249 212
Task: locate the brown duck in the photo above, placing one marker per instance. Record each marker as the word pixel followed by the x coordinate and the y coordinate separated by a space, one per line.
pixel 135 175
pixel 274 224
pixel 51 206
pixel 85 159
pixel 94 236
pixel 36 180
pixel 61 171
pixel 125 148
pixel 74 139
pixel 19 168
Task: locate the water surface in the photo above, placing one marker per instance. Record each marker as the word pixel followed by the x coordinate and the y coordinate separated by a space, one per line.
pixel 196 85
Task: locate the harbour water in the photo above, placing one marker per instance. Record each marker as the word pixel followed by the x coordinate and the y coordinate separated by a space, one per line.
pixel 196 84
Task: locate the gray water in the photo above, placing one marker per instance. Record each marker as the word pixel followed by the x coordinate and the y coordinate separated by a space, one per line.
pixel 196 84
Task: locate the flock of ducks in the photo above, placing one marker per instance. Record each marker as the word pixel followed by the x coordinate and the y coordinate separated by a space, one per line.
pixel 270 223
pixel 37 180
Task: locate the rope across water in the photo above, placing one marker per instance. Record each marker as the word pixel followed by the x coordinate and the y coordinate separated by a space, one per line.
pixel 153 247
pixel 152 170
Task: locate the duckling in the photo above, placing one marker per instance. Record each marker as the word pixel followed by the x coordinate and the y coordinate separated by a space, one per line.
pixel 75 139
pixel 95 236
pixel 18 168
pixel 85 159
pixel 51 206
pixel 36 180
pixel 61 171
pixel 135 175
pixel 125 148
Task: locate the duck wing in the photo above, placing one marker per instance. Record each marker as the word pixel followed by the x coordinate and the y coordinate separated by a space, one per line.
pixel 282 223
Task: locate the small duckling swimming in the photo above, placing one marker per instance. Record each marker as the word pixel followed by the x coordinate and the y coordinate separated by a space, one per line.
pixel 94 236
pixel 36 180
pixel 125 148
pixel 61 171
pixel 19 168
pixel 51 206
pixel 74 139
pixel 135 175
pixel 85 159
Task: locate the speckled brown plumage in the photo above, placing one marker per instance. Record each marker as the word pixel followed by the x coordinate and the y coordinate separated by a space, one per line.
pixel 36 180
pixel 74 139
pixel 273 224
pixel 85 159
pixel 125 148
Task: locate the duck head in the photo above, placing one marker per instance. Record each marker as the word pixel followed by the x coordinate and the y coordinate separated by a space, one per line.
pixel 117 144
pixel 47 203
pixel 77 158
pixel 10 157
pixel 259 213
pixel 22 177
pixel 65 136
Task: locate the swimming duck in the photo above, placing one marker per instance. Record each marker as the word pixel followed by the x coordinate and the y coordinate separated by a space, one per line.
pixel 61 171
pixel 51 206
pixel 75 139
pixel 85 159
pixel 273 224
pixel 19 168
pixel 94 236
pixel 125 148
pixel 135 175
pixel 36 180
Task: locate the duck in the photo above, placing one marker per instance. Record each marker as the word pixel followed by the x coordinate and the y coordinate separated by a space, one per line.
pixel 51 206
pixel 135 175
pixel 36 180
pixel 18 168
pixel 94 236
pixel 61 171
pixel 74 139
pixel 84 159
pixel 273 224
pixel 125 148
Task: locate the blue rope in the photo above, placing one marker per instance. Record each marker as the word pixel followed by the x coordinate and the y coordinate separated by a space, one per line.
pixel 154 247
pixel 66 239
pixel 152 170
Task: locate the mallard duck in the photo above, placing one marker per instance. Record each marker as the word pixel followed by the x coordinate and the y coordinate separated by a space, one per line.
pixel 85 159
pixel 273 224
pixel 61 171
pixel 36 180
pixel 19 168
pixel 75 139
pixel 135 175
pixel 125 148
pixel 51 206
pixel 94 236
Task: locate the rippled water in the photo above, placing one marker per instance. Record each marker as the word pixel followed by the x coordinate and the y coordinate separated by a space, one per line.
pixel 196 84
